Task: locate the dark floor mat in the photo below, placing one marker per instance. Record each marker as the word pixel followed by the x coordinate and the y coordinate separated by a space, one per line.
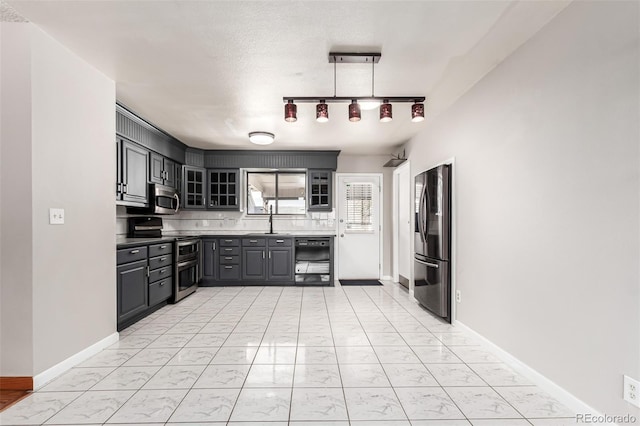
pixel 360 282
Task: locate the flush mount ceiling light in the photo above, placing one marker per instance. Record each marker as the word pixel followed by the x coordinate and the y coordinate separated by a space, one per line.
pixel 261 138
pixel 356 102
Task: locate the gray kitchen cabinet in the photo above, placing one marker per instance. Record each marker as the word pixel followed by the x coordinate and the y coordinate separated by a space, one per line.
pixel 209 259
pixel 162 170
pixel 223 192
pixel 280 264
pixel 319 196
pixel 132 187
pixel 132 289
pixel 194 187
pixel 254 265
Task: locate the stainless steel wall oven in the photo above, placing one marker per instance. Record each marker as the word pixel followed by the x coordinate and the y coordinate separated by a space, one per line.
pixel 188 270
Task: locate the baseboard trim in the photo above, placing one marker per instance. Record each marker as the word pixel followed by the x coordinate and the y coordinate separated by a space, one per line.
pixel 20 383
pixel 544 383
pixel 51 373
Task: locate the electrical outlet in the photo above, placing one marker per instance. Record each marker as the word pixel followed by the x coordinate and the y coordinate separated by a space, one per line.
pixel 56 216
pixel 632 391
pixel 458 296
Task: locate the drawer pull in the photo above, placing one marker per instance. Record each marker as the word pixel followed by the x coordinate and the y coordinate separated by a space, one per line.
pixel 162 259
pixel 279 241
pixel 162 283
pixel 134 251
pixel 253 241
pixel 228 249
pixel 162 271
pixel 228 267
pixel 228 241
pixel 228 258
pixel 163 247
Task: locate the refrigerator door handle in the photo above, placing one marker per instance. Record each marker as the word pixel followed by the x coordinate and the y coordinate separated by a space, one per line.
pixel 421 216
pixel 433 265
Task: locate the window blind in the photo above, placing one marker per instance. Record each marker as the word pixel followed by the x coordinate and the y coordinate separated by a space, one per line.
pixel 359 203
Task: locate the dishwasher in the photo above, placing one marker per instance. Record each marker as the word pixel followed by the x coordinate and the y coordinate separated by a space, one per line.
pixel 314 261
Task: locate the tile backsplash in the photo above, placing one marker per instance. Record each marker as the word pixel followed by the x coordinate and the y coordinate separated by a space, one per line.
pixel 203 222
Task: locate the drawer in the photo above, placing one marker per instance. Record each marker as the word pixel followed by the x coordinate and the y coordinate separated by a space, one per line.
pixel 160 261
pixel 229 242
pixel 253 242
pixel 160 249
pixel 161 273
pixel 229 251
pixel 280 242
pixel 229 260
pixel 131 254
pixel 160 291
pixel 229 272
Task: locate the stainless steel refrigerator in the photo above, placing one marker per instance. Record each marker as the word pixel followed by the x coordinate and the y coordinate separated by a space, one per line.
pixel 431 262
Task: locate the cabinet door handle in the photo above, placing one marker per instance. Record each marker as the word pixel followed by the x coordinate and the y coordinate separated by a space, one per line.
pixel 124 188
pixel 147 271
pixel 214 246
pixel 134 251
pixel 263 254
pixel 269 255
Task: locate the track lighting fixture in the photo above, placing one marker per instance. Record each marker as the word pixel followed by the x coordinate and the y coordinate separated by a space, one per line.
pixel 356 103
pixel 386 113
pixel 322 112
pixel 290 112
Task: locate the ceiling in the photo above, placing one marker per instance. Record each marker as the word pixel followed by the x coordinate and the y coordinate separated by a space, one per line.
pixel 210 72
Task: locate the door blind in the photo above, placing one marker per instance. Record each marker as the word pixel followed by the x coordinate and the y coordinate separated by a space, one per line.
pixel 359 203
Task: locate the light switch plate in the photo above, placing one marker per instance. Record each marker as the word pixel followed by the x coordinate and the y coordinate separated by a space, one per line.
pixel 56 216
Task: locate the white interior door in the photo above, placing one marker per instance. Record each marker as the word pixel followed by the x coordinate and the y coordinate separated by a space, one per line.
pixel 359 226
pixel 405 256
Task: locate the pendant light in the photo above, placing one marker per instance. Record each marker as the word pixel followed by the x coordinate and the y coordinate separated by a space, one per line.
pixel 290 112
pixel 354 111
pixel 322 112
pixel 417 112
pixel 386 113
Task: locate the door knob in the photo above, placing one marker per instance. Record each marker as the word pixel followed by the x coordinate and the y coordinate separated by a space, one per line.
pixel 342 235
pixel 341 220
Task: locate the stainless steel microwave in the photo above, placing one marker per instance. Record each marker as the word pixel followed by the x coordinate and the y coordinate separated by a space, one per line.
pixel 164 199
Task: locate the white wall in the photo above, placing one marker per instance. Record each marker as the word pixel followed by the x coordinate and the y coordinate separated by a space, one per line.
pixel 546 151
pixel 66 160
pixel 373 164
pixel 16 322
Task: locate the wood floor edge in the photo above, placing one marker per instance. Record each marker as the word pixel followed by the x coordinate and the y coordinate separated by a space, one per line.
pixel 16 383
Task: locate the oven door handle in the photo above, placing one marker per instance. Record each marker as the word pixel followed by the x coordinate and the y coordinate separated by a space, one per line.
pixel 186 243
pixel 187 264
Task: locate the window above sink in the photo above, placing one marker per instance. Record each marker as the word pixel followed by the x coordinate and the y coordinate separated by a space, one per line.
pixel 284 192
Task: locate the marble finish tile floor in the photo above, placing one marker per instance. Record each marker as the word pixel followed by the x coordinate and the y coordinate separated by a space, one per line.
pixel 333 356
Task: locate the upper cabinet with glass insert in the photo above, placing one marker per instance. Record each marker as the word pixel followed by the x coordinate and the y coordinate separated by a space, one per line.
pixel 194 187
pixel 224 189
pixel 320 184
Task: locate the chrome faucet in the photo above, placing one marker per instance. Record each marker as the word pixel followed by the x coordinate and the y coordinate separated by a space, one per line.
pixel 271 219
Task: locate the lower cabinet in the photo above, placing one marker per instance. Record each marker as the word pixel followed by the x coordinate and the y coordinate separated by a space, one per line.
pixel 253 263
pixel 132 289
pixel 280 265
pixel 144 281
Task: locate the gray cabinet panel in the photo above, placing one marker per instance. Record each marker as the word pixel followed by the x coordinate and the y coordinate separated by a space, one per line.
pixel 160 249
pixel 160 274
pixel 193 188
pixel 160 291
pixel 253 263
pixel 281 264
pixel 229 272
pixel 135 172
pixel 132 289
pixel 223 192
pixel 320 192
pixel 209 255
pixel 131 254
pixel 156 174
pixel 170 173
pixel 160 262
